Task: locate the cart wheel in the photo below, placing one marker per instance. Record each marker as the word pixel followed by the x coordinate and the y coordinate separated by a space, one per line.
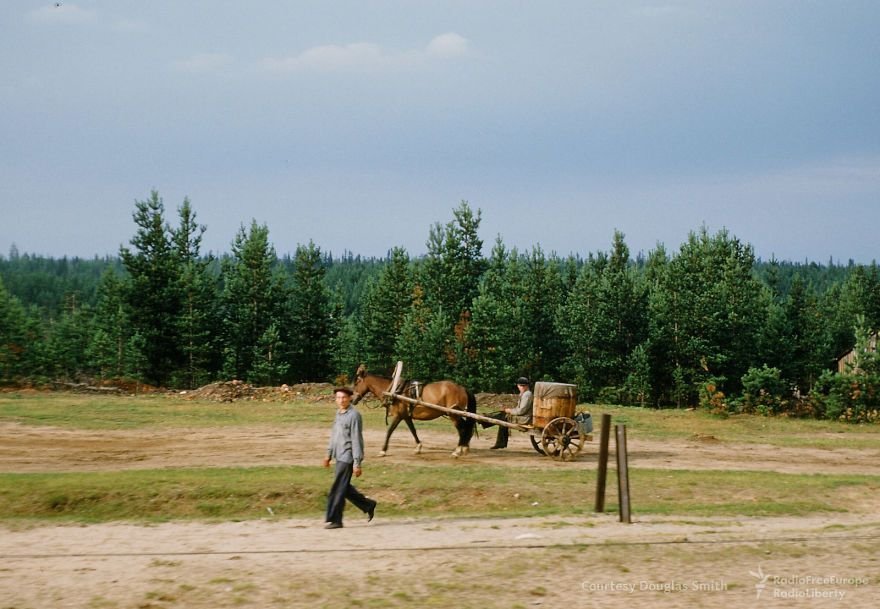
pixel 561 440
pixel 537 446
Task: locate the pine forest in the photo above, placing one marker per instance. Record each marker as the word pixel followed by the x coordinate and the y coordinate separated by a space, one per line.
pixel 707 325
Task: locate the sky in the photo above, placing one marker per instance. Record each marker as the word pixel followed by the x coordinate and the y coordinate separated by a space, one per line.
pixel 358 124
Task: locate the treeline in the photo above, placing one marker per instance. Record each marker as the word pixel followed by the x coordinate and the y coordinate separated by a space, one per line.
pixel 706 324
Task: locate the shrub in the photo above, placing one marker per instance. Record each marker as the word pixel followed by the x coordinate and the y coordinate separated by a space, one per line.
pixel 764 391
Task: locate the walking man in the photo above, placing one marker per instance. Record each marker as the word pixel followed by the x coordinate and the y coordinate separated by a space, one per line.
pixel 347 449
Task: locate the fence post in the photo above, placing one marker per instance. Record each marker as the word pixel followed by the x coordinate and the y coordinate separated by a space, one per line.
pixel 622 475
pixel 602 474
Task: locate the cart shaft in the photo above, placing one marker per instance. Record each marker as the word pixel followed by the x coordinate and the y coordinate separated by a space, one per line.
pixel 461 413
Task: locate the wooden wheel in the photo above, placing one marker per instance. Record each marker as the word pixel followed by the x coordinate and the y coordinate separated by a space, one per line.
pixel 561 439
pixel 537 446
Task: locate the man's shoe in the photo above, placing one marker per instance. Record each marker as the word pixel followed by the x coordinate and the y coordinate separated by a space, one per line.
pixel 333 525
pixel 496 447
pixel 371 511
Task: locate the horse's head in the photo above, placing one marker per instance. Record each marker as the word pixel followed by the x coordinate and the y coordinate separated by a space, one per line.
pixel 361 388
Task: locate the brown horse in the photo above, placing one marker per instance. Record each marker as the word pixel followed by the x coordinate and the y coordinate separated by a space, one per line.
pixel 442 393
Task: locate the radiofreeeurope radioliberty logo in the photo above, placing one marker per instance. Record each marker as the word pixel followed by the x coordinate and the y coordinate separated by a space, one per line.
pixel 795 586
pixel 762 581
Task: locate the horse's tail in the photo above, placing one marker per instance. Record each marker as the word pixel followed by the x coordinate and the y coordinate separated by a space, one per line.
pixel 468 424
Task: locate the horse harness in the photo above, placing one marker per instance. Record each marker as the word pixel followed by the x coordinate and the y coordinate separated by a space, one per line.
pixel 412 390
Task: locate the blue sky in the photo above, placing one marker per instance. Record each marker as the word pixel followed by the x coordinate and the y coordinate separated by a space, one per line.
pixel 359 124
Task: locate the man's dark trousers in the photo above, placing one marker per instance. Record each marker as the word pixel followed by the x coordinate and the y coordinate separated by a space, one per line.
pixel 342 490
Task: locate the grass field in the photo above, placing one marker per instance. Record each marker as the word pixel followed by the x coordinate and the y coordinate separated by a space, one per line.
pixel 453 488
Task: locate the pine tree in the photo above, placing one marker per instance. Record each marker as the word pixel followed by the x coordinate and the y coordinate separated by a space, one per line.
pixel 313 325
pixel 805 336
pixel 199 316
pixel 541 297
pixel 112 328
pixel 490 340
pixel 253 298
pixel 603 320
pixel 153 290
pixel 13 337
pixel 387 300
pixel 706 314
pixel 69 340
pixel 454 263
pixel 268 367
pixel 425 343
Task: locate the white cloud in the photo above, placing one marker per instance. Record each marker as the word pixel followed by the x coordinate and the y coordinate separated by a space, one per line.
pixel 63 13
pixel 203 62
pixel 365 56
pixel 330 57
pixel 448 45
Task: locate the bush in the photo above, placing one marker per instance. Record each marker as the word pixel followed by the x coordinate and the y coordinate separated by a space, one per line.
pixel 713 399
pixel 851 396
pixel 764 391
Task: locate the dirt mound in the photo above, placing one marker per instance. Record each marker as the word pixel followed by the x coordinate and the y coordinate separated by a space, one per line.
pixel 495 401
pixel 231 391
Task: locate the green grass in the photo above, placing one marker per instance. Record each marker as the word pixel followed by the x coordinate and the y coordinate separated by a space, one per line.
pixel 741 429
pixel 103 412
pixel 458 490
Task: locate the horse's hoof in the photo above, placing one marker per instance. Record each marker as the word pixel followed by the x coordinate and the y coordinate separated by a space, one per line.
pixel 418 450
pixel 381 453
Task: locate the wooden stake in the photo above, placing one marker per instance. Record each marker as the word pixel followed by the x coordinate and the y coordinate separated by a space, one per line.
pixel 622 475
pixel 602 474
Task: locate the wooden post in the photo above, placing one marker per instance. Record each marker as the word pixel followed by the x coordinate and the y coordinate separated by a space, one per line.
pixel 622 475
pixel 602 474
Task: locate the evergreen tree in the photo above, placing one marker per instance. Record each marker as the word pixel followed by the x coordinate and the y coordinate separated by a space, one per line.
pixel 491 339
pixel 425 343
pixel 136 362
pixel 603 320
pixel 13 337
pixel 253 298
pixel 112 328
pixel 805 337
pixel 387 300
pixel 199 316
pixel 637 387
pixel 69 341
pixel 153 290
pixel 540 351
pixel 313 325
pixel 346 348
pixel 706 313
pixel 268 367
pixel 454 263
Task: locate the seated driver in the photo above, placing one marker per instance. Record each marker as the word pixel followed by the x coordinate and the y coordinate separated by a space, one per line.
pixel 521 414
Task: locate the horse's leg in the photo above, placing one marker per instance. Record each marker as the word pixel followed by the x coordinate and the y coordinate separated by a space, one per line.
pixel 465 427
pixel 460 425
pixel 394 423
pixel 412 430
